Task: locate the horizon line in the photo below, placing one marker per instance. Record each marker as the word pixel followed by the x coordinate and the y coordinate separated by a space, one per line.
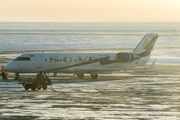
pixel 92 21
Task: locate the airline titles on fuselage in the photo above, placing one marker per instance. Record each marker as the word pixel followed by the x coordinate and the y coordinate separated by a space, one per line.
pixel 78 59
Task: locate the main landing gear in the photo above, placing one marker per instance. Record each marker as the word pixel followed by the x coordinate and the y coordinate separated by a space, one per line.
pixel 94 76
pixel 81 76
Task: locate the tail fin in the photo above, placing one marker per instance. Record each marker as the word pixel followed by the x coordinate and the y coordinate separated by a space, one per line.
pixel 146 45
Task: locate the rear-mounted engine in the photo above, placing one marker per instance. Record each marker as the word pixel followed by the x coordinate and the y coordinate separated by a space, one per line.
pixel 126 57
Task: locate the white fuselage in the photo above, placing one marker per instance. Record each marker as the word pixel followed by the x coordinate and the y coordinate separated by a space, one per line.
pixel 70 63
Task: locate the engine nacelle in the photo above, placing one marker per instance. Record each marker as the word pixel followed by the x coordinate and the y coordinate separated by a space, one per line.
pixel 126 57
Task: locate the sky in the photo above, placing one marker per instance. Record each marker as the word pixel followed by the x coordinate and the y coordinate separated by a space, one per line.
pixel 90 10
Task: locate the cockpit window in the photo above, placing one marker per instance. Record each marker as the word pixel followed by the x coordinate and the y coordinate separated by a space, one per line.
pixel 23 58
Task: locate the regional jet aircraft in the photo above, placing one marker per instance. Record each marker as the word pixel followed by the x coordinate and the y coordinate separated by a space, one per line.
pixel 80 63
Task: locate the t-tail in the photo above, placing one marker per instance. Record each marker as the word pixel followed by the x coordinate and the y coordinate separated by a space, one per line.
pixel 146 45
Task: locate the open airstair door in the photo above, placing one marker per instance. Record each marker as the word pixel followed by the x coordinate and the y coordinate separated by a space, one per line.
pixel 39 62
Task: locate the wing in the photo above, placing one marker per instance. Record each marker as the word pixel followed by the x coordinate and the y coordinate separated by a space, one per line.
pixel 90 70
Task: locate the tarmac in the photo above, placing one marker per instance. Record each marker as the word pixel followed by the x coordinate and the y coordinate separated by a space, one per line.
pixel 138 95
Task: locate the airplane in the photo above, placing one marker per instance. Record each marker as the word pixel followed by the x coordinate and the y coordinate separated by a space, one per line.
pixel 80 63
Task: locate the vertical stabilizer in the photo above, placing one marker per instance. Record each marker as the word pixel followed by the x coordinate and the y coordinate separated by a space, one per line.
pixel 146 45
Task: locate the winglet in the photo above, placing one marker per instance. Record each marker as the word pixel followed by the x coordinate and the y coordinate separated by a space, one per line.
pixel 152 65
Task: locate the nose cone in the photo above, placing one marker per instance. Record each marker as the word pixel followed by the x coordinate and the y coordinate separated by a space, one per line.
pixel 8 68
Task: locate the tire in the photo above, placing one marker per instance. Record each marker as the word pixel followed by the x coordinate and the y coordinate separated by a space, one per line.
pixel 26 87
pixel 39 88
pixel 33 87
pixel 94 76
pixel 80 75
pixel 44 87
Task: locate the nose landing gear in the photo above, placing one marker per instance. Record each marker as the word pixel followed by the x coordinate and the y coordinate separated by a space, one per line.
pixel 16 76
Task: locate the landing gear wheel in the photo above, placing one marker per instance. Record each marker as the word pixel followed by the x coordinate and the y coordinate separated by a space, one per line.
pixel 80 75
pixel 33 87
pixel 95 76
pixel 44 87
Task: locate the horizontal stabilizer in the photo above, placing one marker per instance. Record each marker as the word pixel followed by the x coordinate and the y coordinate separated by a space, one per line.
pixel 152 65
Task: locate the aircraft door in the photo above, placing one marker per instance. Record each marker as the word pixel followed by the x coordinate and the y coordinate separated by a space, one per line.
pixel 39 62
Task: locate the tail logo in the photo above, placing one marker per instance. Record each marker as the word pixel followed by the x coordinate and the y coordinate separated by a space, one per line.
pixel 145 43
